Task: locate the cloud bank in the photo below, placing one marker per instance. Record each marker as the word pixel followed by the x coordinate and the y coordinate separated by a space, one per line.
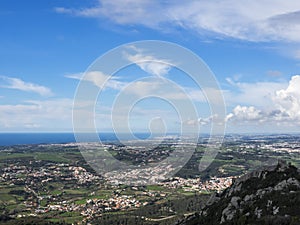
pixel 50 115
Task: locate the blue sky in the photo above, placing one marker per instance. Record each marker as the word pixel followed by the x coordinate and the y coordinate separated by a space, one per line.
pixel 253 49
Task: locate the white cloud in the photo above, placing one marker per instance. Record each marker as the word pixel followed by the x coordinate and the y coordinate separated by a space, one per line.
pixel 170 91
pixel 245 114
pixel 248 20
pixel 257 94
pixel 46 115
pixel 141 88
pixel 288 100
pixel 121 12
pixel 296 53
pixel 99 79
pixel 149 63
pixel 284 108
pixel 201 121
pixel 18 84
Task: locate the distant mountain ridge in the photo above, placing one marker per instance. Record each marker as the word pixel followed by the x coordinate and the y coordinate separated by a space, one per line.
pixel 267 196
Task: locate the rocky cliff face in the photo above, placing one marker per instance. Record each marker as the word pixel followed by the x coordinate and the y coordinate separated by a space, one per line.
pixel 267 196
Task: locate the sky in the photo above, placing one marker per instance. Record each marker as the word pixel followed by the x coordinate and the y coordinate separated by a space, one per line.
pixel 252 48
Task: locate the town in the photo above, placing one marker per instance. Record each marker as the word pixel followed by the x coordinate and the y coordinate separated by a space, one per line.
pixel 53 181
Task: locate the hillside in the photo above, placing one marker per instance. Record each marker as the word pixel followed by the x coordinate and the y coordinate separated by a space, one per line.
pixel 267 196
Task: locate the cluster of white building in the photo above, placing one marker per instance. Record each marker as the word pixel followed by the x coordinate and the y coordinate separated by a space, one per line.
pixel 190 185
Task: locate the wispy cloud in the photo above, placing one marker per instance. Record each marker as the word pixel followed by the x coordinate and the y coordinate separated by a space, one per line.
pixel 156 85
pixel 148 62
pixel 99 79
pixel 200 121
pixel 122 12
pixel 18 84
pixel 63 10
pixel 248 20
pixel 274 73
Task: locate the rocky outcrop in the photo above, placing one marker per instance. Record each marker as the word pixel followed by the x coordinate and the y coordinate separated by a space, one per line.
pixel 267 196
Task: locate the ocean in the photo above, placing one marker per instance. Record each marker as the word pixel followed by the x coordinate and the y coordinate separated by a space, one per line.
pixel 7 139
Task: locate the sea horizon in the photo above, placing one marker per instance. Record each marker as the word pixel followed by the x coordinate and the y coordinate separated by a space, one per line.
pixel 23 138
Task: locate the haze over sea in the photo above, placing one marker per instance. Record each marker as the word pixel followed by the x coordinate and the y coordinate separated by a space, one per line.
pixel 7 139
